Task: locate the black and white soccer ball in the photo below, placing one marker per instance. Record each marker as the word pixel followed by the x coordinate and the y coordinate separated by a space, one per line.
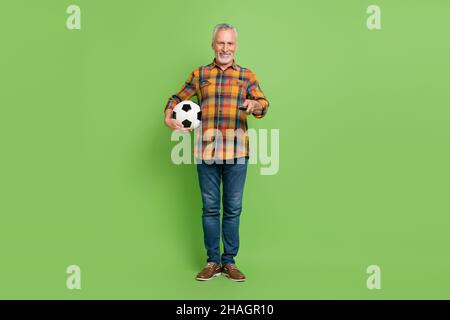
pixel 188 114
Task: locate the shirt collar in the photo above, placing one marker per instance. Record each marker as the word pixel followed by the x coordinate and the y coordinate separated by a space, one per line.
pixel 234 65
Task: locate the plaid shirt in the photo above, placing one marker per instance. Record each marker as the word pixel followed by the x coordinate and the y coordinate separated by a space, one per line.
pixel 223 133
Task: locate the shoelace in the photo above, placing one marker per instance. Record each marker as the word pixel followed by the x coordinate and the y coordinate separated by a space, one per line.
pixel 231 266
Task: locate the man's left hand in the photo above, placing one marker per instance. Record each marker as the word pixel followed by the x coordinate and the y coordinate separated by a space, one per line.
pixel 253 106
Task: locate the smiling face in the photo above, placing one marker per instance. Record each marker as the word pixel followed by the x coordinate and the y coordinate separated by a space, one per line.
pixel 224 46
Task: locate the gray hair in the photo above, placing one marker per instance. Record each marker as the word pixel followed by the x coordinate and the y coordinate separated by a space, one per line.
pixel 223 26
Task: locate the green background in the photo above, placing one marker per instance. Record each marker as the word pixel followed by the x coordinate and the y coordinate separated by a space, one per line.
pixel 86 176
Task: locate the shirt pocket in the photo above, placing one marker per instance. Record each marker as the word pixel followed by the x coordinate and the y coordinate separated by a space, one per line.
pixel 204 84
pixel 206 88
pixel 238 92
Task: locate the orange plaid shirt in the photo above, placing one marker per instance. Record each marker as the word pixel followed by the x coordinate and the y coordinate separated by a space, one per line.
pixel 223 133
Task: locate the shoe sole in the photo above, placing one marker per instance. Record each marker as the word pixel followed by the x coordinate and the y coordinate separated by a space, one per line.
pixel 236 280
pixel 206 279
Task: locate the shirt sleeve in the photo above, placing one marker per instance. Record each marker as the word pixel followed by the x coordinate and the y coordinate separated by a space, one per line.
pixel 254 92
pixel 187 91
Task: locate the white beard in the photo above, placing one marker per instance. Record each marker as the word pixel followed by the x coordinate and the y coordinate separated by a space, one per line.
pixel 223 59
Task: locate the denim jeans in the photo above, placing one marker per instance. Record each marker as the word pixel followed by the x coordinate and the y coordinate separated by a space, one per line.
pixel 233 179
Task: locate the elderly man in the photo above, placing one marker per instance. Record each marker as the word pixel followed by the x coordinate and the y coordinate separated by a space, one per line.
pixel 227 94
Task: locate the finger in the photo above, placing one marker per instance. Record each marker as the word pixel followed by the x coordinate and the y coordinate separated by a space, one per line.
pixel 246 102
pixel 179 124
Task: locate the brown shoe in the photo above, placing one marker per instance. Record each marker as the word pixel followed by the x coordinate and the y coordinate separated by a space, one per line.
pixel 210 271
pixel 231 271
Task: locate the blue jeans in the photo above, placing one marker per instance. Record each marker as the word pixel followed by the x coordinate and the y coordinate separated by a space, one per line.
pixel 233 179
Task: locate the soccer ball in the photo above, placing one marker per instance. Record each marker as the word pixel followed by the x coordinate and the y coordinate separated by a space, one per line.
pixel 187 113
